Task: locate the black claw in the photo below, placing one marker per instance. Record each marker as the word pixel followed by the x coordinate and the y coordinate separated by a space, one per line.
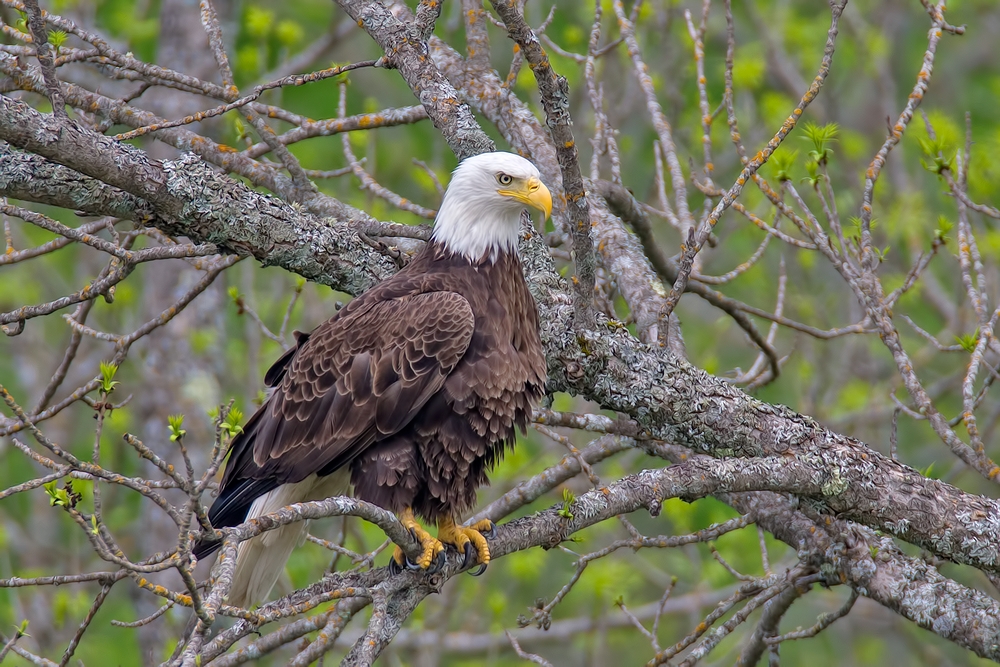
pixel 437 563
pixel 470 555
pixel 395 568
pixel 491 533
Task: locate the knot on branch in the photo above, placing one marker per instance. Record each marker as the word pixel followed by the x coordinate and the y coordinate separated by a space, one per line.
pixel 13 329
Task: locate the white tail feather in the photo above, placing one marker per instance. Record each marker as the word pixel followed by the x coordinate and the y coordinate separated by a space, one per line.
pixel 261 560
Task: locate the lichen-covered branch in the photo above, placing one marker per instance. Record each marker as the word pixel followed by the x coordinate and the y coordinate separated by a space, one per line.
pixel 408 52
pixel 554 90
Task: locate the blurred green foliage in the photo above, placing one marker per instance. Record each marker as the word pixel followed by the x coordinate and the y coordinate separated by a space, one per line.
pixel 844 383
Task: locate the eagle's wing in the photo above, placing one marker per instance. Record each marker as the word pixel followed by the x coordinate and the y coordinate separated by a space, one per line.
pixel 358 378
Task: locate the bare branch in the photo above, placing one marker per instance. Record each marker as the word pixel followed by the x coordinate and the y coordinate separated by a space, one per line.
pixel 554 92
pixel 409 55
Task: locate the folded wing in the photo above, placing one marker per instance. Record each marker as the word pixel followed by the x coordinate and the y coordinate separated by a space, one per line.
pixel 357 379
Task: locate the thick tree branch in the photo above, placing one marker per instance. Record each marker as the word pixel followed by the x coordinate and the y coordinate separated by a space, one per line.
pixel 683 404
pixel 407 51
pixel 856 555
pixel 28 177
pixel 554 91
pixel 874 566
pixel 63 141
pixel 190 197
pixel 647 489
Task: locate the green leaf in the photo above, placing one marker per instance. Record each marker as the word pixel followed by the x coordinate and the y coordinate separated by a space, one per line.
pixel 175 422
pixel 821 137
pixel 64 497
pixel 231 424
pixel 782 163
pixel 237 298
pixel 944 226
pixel 241 133
pixel 57 38
pixel 568 499
pixel 107 382
pixel 968 341
pixel 856 222
pixel 814 178
pixel 935 149
pixel 52 491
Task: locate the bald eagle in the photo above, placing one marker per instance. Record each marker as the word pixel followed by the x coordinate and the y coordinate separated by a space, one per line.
pixel 410 393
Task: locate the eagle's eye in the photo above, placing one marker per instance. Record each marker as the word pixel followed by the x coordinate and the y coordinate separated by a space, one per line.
pixel 504 179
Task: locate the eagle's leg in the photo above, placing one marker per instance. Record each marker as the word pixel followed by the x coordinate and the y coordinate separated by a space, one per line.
pixel 430 547
pixel 467 539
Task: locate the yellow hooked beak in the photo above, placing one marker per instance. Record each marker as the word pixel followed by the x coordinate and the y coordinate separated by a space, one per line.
pixel 532 193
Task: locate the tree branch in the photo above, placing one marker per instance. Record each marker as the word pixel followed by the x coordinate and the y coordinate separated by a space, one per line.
pixel 554 91
pixel 408 52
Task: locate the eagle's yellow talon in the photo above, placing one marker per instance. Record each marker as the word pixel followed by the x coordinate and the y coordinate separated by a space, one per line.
pixel 430 546
pixel 451 533
pixel 486 527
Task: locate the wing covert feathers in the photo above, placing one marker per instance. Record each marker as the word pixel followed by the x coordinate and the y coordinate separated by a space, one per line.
pixel 356 379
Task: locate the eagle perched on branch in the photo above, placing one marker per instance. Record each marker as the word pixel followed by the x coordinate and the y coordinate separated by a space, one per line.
pixel 410 393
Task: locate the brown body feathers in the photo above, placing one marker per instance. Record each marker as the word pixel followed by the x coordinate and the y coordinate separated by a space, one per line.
pixel 417 387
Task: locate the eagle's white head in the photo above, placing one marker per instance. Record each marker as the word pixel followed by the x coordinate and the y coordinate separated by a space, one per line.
pixel 481 211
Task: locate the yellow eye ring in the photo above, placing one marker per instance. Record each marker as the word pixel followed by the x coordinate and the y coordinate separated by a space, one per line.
pixel 504 179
